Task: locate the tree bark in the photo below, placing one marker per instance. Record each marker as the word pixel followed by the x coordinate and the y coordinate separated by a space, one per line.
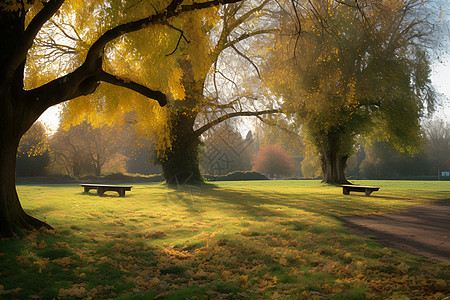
pixel 180 161
pixel 13 219
pixel 334 150
pixel 333 167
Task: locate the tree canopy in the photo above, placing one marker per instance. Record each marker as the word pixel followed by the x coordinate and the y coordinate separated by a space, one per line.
pixel 355 68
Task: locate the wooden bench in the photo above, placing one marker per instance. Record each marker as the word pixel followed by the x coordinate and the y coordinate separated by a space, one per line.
pixel 347 188
pixel 102 188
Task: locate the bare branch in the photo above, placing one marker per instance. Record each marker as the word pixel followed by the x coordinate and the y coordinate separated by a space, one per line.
pixel 65 33
pixel 247 35
pixel 50 8
pixel 224 76
pixel 182 36
pixel 223 106
pixel 246 16
pixel 246 58
pixel 219 120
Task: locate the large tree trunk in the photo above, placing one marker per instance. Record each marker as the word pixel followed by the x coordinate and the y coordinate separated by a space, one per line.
pixel 180 162
pixel 13 219
pixel 333 168
pixel 334 147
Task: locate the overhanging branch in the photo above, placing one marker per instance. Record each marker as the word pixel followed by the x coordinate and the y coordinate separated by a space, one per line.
pixel 149 93
pixel 174 9
pixel 86 77
pixel 219 120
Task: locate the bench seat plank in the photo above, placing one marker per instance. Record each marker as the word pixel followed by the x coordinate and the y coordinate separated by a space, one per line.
pixel 347 188
pixel 102 188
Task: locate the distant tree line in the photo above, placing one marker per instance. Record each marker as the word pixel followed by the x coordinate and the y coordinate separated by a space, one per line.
pixel 83 149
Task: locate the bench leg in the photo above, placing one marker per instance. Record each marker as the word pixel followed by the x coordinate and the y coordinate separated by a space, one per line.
pixel 346 191
pixel 86 189
pixel 368 192
pixel 121 193
pixel 100 190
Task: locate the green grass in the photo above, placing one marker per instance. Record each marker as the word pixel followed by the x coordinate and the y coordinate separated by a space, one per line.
pixel 258 239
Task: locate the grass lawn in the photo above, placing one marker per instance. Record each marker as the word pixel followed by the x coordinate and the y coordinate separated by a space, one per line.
pixel 236 240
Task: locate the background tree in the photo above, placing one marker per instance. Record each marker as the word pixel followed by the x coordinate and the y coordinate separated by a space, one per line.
pixel 33 154
pixel 272 160
pixel 85 149
pixel 437 135
pixel 141 158
pixel 353 68
pixel 23 102
pixel 382 162
pixel 225 150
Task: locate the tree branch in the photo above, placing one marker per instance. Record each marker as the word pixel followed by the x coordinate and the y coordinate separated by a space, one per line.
pixel 246 58
pixel 85 79
pixel 219 120
pixel 157 95
pixel 32 30
pixel 96 49
pixel 182 36
pixel 248 35
pixel 246 16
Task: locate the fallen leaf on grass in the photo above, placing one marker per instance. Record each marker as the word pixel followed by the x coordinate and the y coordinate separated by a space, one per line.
pixel 63 261
pixel 155 234
pixel 200 274
pixel 6 292
pixel 41 262
pixel 40 245
pixel 76 291
pixel 22 259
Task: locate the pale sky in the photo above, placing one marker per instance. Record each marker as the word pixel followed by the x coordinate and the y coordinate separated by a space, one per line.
pixel 441 81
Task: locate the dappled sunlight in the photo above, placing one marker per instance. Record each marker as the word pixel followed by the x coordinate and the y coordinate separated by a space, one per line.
pixel 230 239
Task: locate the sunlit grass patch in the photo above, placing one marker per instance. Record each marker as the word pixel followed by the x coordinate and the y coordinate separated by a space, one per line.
pixel 228 239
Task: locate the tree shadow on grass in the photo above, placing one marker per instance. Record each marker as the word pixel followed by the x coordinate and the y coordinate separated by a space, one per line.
pixel 329 205
pixel 108 194
pixel 243 202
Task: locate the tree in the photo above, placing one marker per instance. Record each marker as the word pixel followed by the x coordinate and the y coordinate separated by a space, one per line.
pixel 273 160
pixel 212 51
pixel 85 149
pixel 32 154
pixel 382 162
pixel 226 151
pixel 20 24
pixel 437 135
pixel 355 68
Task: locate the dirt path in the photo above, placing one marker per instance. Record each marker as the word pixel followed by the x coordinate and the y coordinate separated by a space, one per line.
pixel 422 230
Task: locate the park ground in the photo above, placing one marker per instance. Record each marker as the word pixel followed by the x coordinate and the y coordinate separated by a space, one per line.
pixel 229 240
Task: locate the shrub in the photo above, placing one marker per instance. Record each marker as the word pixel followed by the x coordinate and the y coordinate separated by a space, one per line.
pixel 273 160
